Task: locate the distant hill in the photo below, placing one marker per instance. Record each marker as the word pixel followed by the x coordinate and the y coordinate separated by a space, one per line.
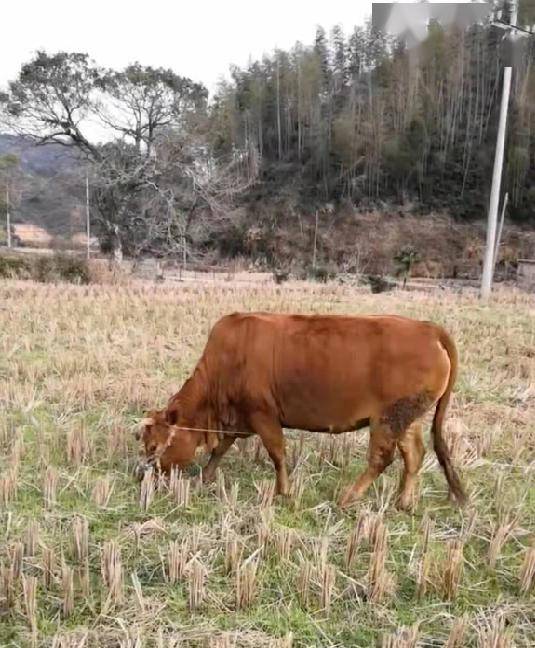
pixel 49 191
pixel 46 160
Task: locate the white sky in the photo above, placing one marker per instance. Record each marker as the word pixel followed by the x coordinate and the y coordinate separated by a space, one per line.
pixel 196 38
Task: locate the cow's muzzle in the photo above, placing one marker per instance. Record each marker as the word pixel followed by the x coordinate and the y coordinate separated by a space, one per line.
pixel 141 468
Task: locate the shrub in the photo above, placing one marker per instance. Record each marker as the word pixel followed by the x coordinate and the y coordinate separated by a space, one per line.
pixel 15 268
pixel 46 269
pixel 321 273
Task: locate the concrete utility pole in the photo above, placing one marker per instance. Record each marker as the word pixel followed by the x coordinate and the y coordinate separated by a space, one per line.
pixel 87 217
pixel 512 31
pixel 488 264
pixel 8 219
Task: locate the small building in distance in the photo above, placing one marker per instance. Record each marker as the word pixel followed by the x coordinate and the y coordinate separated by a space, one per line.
pixel 525 273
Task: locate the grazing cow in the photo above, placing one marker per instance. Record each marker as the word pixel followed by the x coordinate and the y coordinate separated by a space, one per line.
pixel 260 373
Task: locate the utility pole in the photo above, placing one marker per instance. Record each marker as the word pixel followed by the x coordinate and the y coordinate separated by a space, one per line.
pixel 8 219
pixel 488 264
pixel 512 31
pixel 87 217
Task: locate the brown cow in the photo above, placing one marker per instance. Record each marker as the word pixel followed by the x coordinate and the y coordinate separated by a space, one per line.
pixel 260 373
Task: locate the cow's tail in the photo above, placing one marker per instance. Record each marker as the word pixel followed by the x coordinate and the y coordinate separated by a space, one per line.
pixel 439 444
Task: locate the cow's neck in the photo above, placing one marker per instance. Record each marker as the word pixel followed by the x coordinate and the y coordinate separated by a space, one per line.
pixel 193 398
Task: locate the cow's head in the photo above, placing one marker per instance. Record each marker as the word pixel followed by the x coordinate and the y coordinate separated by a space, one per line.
pixel 170 440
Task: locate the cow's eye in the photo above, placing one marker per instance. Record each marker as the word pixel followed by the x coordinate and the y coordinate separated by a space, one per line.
pixel 152 448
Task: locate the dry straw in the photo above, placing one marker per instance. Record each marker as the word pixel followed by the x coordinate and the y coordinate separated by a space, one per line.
pixel 492 634
pixel 177 557
pixel 7 592
pixel 327 576
pixel 179 488
pixel 284 541
pixel 16 553
pixel 304 582
pixel 8 487
pixel 49 566
pixel 80 533
pixel 146 493
pixel 233 550
pixel 246 581
pixel 359 534
pixel 378 578
pixel 102 491
pixel 425 558
pixel 80 536
pixel 197 574
pixel 266 492
pixel 453 568
pixel 501 534
pixel 527 571
pixel 31 539
pixel 456 638
pixel 136 584
pixel 67 590
pixel 29 591
pixel 111 570
pixel 297 488
pixel 50 487
pixel 78 448
pixel 404 637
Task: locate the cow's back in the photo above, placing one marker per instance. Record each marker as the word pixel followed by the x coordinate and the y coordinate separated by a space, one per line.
pixel 325 372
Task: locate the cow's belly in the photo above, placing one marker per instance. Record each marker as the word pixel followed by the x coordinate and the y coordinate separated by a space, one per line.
pixel 335 414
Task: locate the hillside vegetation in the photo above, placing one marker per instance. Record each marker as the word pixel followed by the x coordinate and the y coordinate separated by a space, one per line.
pixel 352 124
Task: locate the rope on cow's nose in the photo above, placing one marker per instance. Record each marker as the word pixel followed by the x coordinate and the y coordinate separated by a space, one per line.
pixel 160 451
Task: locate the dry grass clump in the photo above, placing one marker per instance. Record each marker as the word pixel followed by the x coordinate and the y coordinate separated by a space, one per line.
pixel 179 488
pixel 197 574
pixel 404 637
pixel 233 550
pixel 67 590
pixel 379 580
pixel 111 569
pixel 8 487
pixel 491 633
pixel 78 447
pixel 425 558
pixel 50 487
pixel 456 637
pixel 49 566
pixel 452 568
pixel 177 559
pixel 102 491
pixel 29 591
pixel 527 571
pixel 246 581
pixel 147 489
pixel 31 538
pixel 500 535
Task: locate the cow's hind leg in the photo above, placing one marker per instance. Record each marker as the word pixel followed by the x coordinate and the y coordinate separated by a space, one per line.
pixel 411 446
pixel 217 454
pixel 380 455
pixel 270 431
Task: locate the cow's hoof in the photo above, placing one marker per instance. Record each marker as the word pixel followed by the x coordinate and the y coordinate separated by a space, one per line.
pixel 405 503
pixel 208 478
pixel 349 498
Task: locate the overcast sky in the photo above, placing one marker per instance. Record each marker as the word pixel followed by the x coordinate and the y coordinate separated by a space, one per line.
pixel 196 38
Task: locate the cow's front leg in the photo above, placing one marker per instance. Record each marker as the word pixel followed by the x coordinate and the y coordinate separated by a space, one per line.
pixel 270 431
pixel 218 453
